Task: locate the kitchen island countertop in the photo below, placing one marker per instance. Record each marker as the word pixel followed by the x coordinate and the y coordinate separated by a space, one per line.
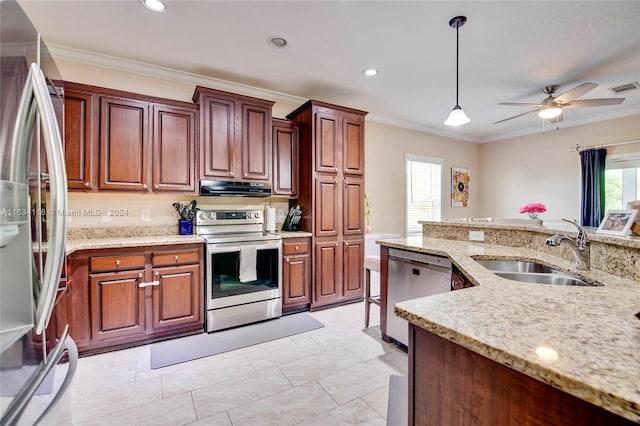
pixel 592 330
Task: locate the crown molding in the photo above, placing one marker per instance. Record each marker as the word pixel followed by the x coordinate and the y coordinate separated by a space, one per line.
pixel 120 64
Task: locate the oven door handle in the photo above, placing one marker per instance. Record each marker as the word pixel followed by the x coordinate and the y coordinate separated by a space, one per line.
pixel 235 247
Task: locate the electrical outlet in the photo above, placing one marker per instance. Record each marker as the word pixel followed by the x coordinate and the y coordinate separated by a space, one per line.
pixel 476 235
pixel 145 215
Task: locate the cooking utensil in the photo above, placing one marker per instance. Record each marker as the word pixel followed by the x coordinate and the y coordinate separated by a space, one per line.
pixel 178 208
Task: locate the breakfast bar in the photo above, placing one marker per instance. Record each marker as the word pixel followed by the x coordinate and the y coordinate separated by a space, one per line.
pixel 572 352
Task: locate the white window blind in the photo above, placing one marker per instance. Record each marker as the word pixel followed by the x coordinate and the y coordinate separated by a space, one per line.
pixel 423 191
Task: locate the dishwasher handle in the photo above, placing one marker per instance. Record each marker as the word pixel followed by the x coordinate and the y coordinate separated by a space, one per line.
pixel 437 263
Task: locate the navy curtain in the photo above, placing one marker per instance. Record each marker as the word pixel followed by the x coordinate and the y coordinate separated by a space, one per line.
pixel 592 162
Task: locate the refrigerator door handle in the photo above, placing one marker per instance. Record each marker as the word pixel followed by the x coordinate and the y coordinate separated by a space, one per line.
pixel 12 414
pixel 36 88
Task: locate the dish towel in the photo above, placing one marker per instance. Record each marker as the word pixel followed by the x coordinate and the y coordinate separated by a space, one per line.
pixel 248 255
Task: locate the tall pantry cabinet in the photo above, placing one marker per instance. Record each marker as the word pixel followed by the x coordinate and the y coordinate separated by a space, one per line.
pixel 331 195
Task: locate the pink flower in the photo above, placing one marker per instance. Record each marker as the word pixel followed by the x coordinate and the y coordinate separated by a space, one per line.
pixel 533 208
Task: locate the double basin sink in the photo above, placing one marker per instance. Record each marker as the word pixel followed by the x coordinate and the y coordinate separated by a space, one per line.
pixel 530 272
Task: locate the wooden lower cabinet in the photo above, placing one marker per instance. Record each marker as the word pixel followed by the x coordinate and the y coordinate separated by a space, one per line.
pixel 338 270
pixel 296 274
pixel 137 295
pixel 353 261
pixel 452 385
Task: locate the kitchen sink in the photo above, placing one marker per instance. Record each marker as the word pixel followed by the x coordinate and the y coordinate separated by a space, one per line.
pixel 545 278
pixel 515 266
pixel 530 272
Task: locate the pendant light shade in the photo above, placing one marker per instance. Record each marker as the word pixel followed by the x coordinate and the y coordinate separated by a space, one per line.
pixel 457 117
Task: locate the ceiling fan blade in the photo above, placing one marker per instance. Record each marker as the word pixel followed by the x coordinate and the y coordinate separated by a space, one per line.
pixel 576 92
pixel 581 103
pixel 516 116
pixel 521 104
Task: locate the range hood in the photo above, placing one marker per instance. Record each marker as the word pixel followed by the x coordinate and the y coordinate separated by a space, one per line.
pixel 223 188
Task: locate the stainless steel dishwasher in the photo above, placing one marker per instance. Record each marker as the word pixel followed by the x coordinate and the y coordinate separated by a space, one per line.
pixel 413 275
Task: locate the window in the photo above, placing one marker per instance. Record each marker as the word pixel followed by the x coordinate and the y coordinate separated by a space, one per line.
pixel 423 191
pixel 622 180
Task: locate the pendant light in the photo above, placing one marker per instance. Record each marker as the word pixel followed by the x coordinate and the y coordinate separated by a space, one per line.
pixel 457 117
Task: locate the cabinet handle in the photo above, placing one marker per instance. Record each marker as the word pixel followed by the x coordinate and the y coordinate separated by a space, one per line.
pixel 118 262
pixel 154 283
pixel 86 184
pixel 175 257
pixel 142 285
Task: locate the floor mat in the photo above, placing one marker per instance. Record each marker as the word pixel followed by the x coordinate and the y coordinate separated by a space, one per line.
pixel 193 347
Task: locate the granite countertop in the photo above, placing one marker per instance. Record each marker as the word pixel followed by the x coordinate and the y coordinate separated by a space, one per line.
pixel 119 242
pixel 592 330
pixel 295 234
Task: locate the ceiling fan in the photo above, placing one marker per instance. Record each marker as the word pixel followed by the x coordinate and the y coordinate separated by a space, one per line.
pixel 551 107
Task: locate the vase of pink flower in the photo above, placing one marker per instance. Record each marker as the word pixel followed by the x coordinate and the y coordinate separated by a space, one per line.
pixel 533 209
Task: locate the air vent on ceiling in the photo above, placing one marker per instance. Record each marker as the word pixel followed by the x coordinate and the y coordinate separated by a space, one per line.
pixel 625 87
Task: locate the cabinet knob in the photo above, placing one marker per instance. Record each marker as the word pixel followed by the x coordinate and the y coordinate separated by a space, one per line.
pixel 175 257
pixel 139 274
pixel 157 273
pixel 286 260
pixel 118 262
pixel 86 184
pixel 245 174
pixel 336 244
pixel 144 186
pixel 157 186
pixel 297 248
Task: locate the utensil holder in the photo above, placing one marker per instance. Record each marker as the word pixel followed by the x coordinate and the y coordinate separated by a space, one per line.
pixel 185 226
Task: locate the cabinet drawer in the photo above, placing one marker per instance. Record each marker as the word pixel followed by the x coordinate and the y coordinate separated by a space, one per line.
pixel 111 263
pixel 175 258
pixel 295 248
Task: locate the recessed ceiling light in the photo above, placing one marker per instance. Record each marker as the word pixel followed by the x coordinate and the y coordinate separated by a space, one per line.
pixel 155 5
pixel 278 42
pixel 370 72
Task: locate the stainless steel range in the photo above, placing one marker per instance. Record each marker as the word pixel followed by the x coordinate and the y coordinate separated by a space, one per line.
pixel 243 268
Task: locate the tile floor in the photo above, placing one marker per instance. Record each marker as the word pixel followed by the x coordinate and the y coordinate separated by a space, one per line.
pixel 338 374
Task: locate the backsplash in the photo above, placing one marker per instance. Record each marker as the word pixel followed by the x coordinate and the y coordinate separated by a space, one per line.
pixel 87 213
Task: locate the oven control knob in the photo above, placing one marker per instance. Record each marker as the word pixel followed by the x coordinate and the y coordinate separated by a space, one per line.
pixel 257 215
pixel 211 215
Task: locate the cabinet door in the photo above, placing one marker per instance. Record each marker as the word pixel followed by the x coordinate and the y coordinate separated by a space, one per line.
pixel 79 139
pixel 218 137
pixel 176 297
pixel 124 137
pixel 327 142
pixel 326 220
pixel 256 142
pixel 296 280
pixel 117 304
pixel 353 146
pixel 174 142
pixel 285 159
pixel 353 206
pixel 327 272
pixel 353 257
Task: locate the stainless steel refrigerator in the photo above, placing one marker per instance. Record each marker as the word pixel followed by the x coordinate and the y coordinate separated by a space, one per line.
pixel 33 202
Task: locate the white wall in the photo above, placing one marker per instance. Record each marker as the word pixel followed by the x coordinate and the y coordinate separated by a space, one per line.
pixel 539 168
pixel 385 149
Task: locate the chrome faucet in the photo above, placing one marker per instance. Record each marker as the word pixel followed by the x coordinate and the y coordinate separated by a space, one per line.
pixel 580 247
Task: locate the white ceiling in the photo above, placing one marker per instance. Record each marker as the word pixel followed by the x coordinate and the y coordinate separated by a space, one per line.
pixel 509 50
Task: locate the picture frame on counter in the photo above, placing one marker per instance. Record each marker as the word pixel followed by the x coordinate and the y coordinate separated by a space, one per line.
pixel 617 222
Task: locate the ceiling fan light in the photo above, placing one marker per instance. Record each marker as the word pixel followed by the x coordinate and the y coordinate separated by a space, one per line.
pixel 155 5
pixel 551 112
pixel 457 117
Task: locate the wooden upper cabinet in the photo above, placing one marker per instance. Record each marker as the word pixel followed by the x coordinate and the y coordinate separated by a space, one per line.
pixel 79 139
pixel 327 142
pixel 353 146
pixel 218 124
pixel 256 142
pixel 353 206
pixel 124 144
pixel 236 136
pixel 174 142
pixel 285 158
